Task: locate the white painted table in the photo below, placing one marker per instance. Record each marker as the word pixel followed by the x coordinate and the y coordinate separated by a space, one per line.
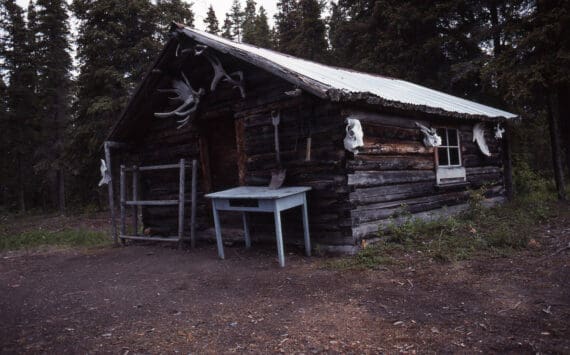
pixel 261 199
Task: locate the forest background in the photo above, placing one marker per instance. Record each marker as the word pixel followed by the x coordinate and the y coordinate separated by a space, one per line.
pixel 57 104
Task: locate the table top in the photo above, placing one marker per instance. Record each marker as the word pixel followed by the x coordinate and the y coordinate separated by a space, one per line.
pixel 258 192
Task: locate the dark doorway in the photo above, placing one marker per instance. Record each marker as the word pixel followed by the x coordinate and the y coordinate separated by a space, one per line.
pixel 220 134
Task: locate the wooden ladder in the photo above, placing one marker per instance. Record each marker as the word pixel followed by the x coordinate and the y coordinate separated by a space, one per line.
pixel 136 203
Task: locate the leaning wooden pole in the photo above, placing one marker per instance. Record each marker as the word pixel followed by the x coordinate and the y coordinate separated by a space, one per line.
pixel 135 198
pixel 507 163
pixel 194 198
pixel 107 147
pixel 181 202
pixel 123 193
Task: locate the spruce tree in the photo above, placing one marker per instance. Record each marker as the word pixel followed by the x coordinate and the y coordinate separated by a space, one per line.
pixel 54 85
pixel 249 23
pixel 4 143
pixel 310 41
pixel 287 23
pixel 211 21
pixel 227 27
pixel 21 105
pixel 263 35
pixel 236 16
pixel 173 10
pixel 530 66
pixel 115 46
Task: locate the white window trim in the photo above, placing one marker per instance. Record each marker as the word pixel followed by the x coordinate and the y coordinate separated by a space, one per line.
pixel 450 174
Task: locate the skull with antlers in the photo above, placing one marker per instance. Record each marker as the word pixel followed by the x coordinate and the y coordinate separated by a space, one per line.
pixel 183 92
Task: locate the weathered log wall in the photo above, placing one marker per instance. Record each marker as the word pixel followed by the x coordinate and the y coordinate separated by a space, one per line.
pixel 352 194
pixel 394 173
pixel 301 117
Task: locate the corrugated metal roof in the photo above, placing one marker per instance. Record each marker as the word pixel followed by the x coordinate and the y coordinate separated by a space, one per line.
pixel 347 83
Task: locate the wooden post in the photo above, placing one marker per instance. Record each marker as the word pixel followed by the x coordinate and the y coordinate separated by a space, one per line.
pixel 110 190
pixel 507 164
pixel 123 193
pixel 193 206
pixel 181 202
pixel 135 198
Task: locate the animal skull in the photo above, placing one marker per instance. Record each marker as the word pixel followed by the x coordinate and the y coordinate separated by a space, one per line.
pixel 431 138
pixel 499 131
pixel 105 176
pixel 479 137
pixel 354 135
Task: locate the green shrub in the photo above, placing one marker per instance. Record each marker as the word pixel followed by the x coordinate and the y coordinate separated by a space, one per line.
pixel 38 238
pixel 529 183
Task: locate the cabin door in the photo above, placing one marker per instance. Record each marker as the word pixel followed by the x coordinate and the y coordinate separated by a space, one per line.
pixel 222 152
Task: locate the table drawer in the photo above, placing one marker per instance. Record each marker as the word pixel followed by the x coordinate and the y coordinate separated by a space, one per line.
pixel 244 204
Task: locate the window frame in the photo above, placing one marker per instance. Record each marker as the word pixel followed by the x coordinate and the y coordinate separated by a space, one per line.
pixel 458 147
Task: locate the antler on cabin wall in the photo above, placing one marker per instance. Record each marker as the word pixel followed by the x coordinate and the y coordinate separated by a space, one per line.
pixel 219 71
pixel 187 95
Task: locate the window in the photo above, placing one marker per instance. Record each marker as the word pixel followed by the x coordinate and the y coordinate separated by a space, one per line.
pixel 448 153
pixel 449 170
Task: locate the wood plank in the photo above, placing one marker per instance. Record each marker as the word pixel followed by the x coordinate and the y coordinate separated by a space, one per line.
pixel 152 203
pixel 368 117
pixel 391 192
pixel 375 146
pixel 389 162
pixel 377 178
pixel 181 199
pixel 153 239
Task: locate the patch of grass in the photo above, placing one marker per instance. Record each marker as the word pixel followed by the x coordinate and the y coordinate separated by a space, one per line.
pixel 368 258
pixel 71 238
pixel 497 231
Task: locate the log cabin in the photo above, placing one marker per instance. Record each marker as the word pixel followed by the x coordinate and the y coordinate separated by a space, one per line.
pixel 370 147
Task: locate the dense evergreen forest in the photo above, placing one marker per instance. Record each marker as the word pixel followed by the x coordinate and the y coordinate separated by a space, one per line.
pixel 56 111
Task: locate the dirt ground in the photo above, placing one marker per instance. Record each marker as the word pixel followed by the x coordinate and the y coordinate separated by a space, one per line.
pixel 157 299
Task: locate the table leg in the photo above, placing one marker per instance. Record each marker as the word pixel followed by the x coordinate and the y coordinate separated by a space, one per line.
pixel 306 227
pixel 245 219
pixel 218 228
pixel 279 235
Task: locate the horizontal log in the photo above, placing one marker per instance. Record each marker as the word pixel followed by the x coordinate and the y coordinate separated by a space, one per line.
pixel 387 162
pixel 449 196
pixel 384 119
pixel 391 133
pixel 373 146
pixel 483 170
pixel 408 206
pixel 391 192
pixel 377 178
pixel 477 160
pixel 372 228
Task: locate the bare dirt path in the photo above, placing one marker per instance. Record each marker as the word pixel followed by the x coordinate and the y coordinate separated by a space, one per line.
pixel 155 299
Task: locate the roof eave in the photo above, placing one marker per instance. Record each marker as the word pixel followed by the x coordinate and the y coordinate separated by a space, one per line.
pixel 375 100
pixel 322 90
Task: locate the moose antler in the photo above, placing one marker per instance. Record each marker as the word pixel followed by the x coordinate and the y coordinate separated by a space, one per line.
pixel 185 93
pixel 219 71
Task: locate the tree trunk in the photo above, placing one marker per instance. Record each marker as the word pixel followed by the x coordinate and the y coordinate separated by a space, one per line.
pixel 21 187
pixel 553 120
pixel 564 120
pixel 495 28
pixel 61 191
